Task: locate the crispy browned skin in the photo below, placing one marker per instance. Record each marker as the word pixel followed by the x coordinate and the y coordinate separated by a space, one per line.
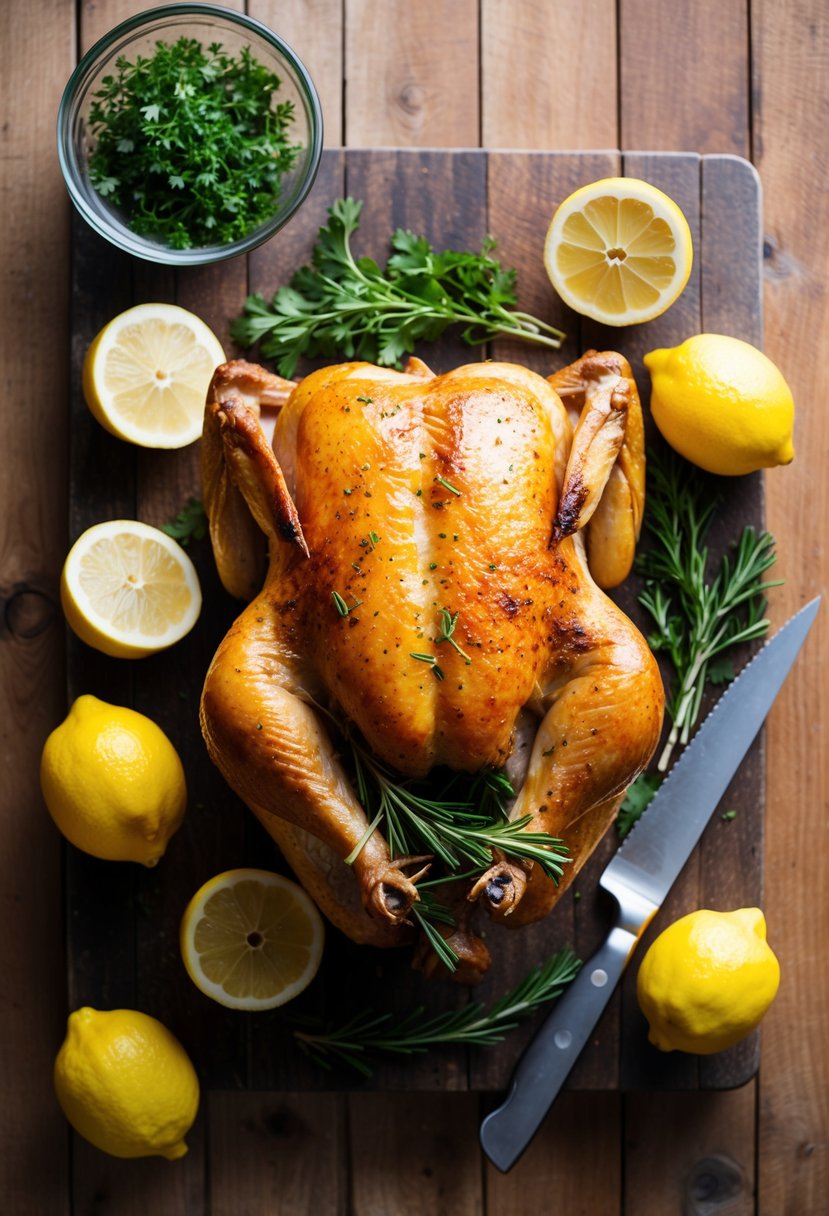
pixel 403 494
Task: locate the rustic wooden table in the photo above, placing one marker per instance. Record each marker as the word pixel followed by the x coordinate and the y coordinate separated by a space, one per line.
pixel 708 76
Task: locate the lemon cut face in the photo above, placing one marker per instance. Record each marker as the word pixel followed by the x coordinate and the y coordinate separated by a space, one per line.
pixel 251 939
pixel 128 589
pixel 619 251
pixel 146 375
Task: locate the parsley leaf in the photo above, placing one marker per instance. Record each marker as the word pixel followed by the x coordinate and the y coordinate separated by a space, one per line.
pixel 638 798
pixel 189 524
pixel 189 143
pixel 348 304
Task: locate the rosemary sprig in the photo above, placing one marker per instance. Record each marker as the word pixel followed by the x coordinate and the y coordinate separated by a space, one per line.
pixel 368 1032
pixel 428 912
pixel 454 830
pixel 697 618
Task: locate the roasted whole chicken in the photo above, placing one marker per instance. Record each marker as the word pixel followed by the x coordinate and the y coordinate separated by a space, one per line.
pixel 391 501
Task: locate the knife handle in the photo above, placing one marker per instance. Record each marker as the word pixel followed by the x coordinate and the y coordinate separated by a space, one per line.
pixel 546 1063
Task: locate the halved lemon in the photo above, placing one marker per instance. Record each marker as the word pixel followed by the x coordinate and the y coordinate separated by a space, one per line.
pixel 128 589
pixel 251 939
pixel 619 251
pixel 146 375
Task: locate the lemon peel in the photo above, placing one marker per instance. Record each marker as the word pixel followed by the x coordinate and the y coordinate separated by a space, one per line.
pixel 707 980
pixel 722 404
pixel 113 782
pixel 126 1084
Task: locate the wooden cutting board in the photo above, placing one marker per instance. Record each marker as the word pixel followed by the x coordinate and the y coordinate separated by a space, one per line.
pixel 123 920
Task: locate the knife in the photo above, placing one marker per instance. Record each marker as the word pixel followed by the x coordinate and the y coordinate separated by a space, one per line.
pixel 639 877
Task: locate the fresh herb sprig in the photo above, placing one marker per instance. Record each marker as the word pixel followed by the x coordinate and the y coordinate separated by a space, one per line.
pixel 638 798
pixel 698 617
pixel 190 144
pixel 454 830
pixel 473 1024
pixel 189 524
pixel 428 912
pixel 350 305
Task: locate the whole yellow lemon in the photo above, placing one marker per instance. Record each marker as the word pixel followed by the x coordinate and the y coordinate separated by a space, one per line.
pixel 113 782
pixel 707 980
pixel 126 1084
pixel 722 404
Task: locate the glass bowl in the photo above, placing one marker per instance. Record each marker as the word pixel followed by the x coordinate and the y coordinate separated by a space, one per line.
pixel 206 24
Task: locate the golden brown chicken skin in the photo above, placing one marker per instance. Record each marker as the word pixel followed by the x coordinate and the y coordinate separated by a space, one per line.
pixel 427 584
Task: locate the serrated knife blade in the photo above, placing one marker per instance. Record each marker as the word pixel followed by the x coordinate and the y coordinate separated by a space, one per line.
pixel 639 877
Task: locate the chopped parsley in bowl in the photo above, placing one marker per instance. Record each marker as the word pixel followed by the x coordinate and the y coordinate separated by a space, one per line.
pixel 189 134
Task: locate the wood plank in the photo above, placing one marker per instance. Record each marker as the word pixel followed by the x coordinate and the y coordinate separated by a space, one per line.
pixel 678 176
pixel 689 1153
pixel 314 29
pixel 576 1157
pixel 34 273
pixel 117 1187
pixel 791 72
pixel 279 1153
pixel 548 74
pixel 412 77
pixel 728 859
pixel 418 1158
pixel 682 81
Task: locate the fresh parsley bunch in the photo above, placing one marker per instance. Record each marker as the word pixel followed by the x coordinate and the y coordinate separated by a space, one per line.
pixel 189 143
pixel 349 305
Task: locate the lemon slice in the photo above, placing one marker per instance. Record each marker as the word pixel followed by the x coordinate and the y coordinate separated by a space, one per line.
pixel 251 939
pixel 146 375
pixel 619 251
pixel 129 589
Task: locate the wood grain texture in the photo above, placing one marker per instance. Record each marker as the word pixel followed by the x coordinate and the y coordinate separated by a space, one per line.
pixel 689 1153
pixel 791 70
pixel 549 74
pixel 278 1153
pixel 110 1186
pixel 415 1158
pixel 576 1157
pixel 411 73
pixel 314 29
pixel 682 80
pixel 33 425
